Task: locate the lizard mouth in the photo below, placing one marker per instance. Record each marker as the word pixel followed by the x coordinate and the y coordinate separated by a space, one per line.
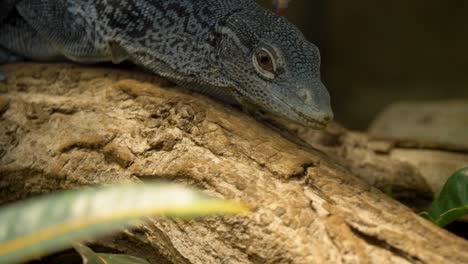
pixel 310 122
pixel 303 119
pixel 292 113
pixel 299 118
pixel 295 116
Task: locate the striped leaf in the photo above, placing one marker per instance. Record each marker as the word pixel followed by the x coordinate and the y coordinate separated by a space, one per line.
pixel 42 225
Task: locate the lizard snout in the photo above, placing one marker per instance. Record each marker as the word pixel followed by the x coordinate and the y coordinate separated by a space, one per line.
pixel 316 103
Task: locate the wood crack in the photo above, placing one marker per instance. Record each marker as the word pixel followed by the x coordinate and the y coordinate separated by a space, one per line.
pixel 380 243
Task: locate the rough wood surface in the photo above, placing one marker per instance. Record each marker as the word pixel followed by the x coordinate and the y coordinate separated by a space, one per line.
pixel 63 126
pixel 416 173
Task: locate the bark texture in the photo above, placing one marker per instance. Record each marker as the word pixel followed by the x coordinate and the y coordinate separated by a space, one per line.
pixel 416 171
pixel 63 126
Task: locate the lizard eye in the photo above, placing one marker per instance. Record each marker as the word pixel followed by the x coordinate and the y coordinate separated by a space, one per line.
pixel 264 63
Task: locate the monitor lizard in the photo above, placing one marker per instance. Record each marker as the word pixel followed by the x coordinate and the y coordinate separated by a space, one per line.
pixel 233 50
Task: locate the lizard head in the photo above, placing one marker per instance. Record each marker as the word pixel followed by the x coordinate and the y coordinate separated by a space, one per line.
pixel 272 67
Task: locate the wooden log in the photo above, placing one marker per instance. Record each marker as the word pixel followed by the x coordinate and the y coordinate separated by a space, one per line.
pixel 65 126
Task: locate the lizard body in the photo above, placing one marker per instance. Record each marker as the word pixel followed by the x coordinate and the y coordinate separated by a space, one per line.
pixel 231 49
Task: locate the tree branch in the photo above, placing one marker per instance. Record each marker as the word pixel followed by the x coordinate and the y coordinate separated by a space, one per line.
pixel 64 126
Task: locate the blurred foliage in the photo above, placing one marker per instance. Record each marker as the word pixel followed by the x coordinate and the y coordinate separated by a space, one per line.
pixel 42 225
pixel 90 257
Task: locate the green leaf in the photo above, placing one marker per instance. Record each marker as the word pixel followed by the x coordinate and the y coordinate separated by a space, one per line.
pixel 42 225
pixel 120 259
pixel 452 202
pixel 389 190
pixel 427 216
pixel 451 215
pixel 87 254
pixel 90 257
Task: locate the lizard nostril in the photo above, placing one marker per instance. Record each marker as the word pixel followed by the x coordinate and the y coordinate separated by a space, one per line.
pixel 304 95
pixel 328 116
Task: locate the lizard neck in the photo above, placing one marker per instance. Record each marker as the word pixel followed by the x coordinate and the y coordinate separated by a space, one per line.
pixel 173 38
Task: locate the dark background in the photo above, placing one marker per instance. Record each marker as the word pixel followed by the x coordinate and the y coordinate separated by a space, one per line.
pixel 378 52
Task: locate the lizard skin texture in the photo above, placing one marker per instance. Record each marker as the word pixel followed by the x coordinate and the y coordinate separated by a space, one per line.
pixel 233 50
